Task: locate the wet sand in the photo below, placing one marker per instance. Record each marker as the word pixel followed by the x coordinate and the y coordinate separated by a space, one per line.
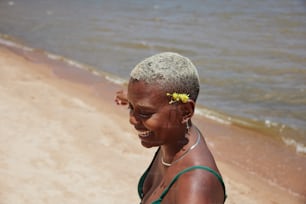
pixel 63 140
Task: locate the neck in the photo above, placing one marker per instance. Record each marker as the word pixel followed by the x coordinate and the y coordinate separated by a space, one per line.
pixel 170 152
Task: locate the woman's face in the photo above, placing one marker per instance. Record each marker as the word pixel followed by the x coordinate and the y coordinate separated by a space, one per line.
pixel 156 121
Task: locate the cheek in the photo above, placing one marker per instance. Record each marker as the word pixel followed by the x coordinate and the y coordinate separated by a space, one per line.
pixel 153 124
pixel 163 121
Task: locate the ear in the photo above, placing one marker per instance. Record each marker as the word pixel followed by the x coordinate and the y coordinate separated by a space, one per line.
pixel 187 110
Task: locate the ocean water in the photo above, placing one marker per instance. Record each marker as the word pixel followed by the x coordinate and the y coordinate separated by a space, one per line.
pixel 251 55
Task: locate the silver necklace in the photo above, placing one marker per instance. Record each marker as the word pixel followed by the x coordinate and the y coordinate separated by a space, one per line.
pixel 183 155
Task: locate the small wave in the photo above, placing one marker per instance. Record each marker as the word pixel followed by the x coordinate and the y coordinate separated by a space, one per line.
pixel 299 147
pixel 213 115
pixel 10 42
pixel 67 61
pixel 108 76
pixel 269 124
pixel 73 63
pixel 115 80
pixel 54 57
pixel 289 136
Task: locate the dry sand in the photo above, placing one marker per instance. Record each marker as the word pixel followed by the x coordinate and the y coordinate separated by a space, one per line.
pixel 63 140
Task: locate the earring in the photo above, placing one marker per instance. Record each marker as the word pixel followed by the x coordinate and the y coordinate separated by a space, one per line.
pixel 187 127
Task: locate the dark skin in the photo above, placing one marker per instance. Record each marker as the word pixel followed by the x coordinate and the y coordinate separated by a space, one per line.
pixel 163 125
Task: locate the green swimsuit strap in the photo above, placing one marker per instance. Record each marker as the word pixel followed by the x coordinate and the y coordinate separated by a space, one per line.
pixel 164 193
pixel 144 176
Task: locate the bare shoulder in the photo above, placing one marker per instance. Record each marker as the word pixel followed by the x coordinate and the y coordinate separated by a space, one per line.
pixel 200 185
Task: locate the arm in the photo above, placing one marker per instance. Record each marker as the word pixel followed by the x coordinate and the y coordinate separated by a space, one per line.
pixel 198 187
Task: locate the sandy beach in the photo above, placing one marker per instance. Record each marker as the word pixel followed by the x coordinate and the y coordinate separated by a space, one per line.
pixel 63 140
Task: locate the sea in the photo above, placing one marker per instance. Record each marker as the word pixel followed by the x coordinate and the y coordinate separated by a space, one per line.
pixel 251 54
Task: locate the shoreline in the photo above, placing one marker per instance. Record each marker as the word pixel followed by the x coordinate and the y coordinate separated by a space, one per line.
pixel 100 136
pixel 291 137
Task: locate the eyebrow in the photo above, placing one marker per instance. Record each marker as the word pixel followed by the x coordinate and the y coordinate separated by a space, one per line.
pixel 145 107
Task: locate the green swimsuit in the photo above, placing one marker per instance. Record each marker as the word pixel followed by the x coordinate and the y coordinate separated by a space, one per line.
pixel 164 193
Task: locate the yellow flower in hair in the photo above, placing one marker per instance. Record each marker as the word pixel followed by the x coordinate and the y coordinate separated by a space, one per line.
pixel 184 97
pixel 175 97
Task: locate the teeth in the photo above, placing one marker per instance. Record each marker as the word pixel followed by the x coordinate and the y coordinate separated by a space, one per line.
pixel 143 133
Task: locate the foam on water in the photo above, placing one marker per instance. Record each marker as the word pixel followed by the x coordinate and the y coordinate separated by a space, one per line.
pixel 11 42
pixel 299 147
pixel 8 41
pixel 267 127
pixel 213 116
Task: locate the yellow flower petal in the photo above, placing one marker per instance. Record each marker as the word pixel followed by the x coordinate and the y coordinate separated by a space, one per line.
pixel 184 98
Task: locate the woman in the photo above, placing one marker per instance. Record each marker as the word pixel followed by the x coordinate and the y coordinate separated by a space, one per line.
pixel 162 93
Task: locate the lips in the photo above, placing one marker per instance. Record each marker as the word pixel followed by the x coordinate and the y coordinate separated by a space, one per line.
pixel 144 134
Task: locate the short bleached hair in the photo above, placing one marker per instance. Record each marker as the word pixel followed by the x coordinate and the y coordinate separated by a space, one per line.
pixel 171 71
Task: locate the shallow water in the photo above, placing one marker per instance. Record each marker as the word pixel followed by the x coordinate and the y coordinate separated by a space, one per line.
pixel 250 54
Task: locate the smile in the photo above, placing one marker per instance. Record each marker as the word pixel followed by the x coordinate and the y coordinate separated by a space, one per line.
pixel 144 133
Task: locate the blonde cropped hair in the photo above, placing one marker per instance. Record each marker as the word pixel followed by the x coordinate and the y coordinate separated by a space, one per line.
pixel 171 71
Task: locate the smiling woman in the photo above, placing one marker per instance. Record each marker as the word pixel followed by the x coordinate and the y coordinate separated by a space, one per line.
pixel 162 93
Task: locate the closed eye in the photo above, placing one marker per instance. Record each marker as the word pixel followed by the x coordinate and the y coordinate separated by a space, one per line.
pixel 144 115
pixel 139 113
